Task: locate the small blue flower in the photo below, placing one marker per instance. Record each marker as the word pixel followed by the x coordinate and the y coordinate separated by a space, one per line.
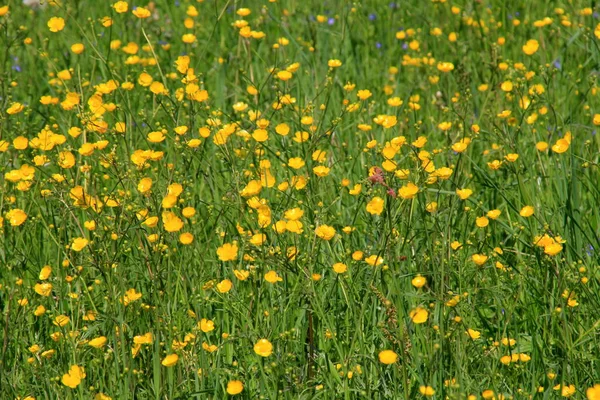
pixel 372 17
pixel 557 64
pixel 331 21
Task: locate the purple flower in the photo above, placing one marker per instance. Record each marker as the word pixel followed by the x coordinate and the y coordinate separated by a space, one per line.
pixel 331 21
pixel 372 17
pixel 557 64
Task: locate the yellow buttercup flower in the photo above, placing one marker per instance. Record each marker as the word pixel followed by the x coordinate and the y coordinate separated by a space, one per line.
pixel 479 259
pixel 141 12
pixel 206 325
pixel 325 232
pixel 531 47
pixel 43 289
pixel 224 286
pixel 419 315
pixel 98 342
pixel 73 378
pixel 340 268
pixel 426 391
pixel 228 252
pixel 56 24
pixel 79 244
pixel 408 191
pixel 387 357
pixel 16 217
pixel 171 222
pixel 170 360
pixel 375 206
pixel 273 277
pixel 263 348
pixel 234 387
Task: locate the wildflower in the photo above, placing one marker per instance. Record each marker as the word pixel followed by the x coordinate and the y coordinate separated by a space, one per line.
pixel 16 217
pixel 563 144
pixel 228 252
pixel 15 108
pixel 141 12
pixel 170 360
pixel 325 232
pixel 531 47
pixel 340 268
pixel 444 126
pixel 419 315
pixel 321 170
pixel 206 325
pixel 45 272
pixel 473 334
pixel 171 222
pixel 593 393
pixel 553 249
pixel 79 244
pixel 334 63
pixel 408 191
pixel 464 194
pixel 388 357
pixel 479 259
pixel 43 289
pixel 263 348
pixel 374 260
pixel 273 277
pixel 56 24
pixel 419 281
pixel 426 391
pixel 284 75
pixel 445 66
pixel 130 296
pixel 73 378
pixel 493 214
pixel 482 222
pixel 364 94
pixel 567 390
pixel 120 7
pixel 375 206
pixel 234 387
pixel 224 286
pixel 186 238
pixel 98 342
pixel 386 121
pixel 461 145
pixel 526 211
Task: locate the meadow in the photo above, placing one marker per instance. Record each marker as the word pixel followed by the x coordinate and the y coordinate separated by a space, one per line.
pixel 283 199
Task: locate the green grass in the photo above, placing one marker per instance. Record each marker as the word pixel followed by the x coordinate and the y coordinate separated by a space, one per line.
pixel 326 331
